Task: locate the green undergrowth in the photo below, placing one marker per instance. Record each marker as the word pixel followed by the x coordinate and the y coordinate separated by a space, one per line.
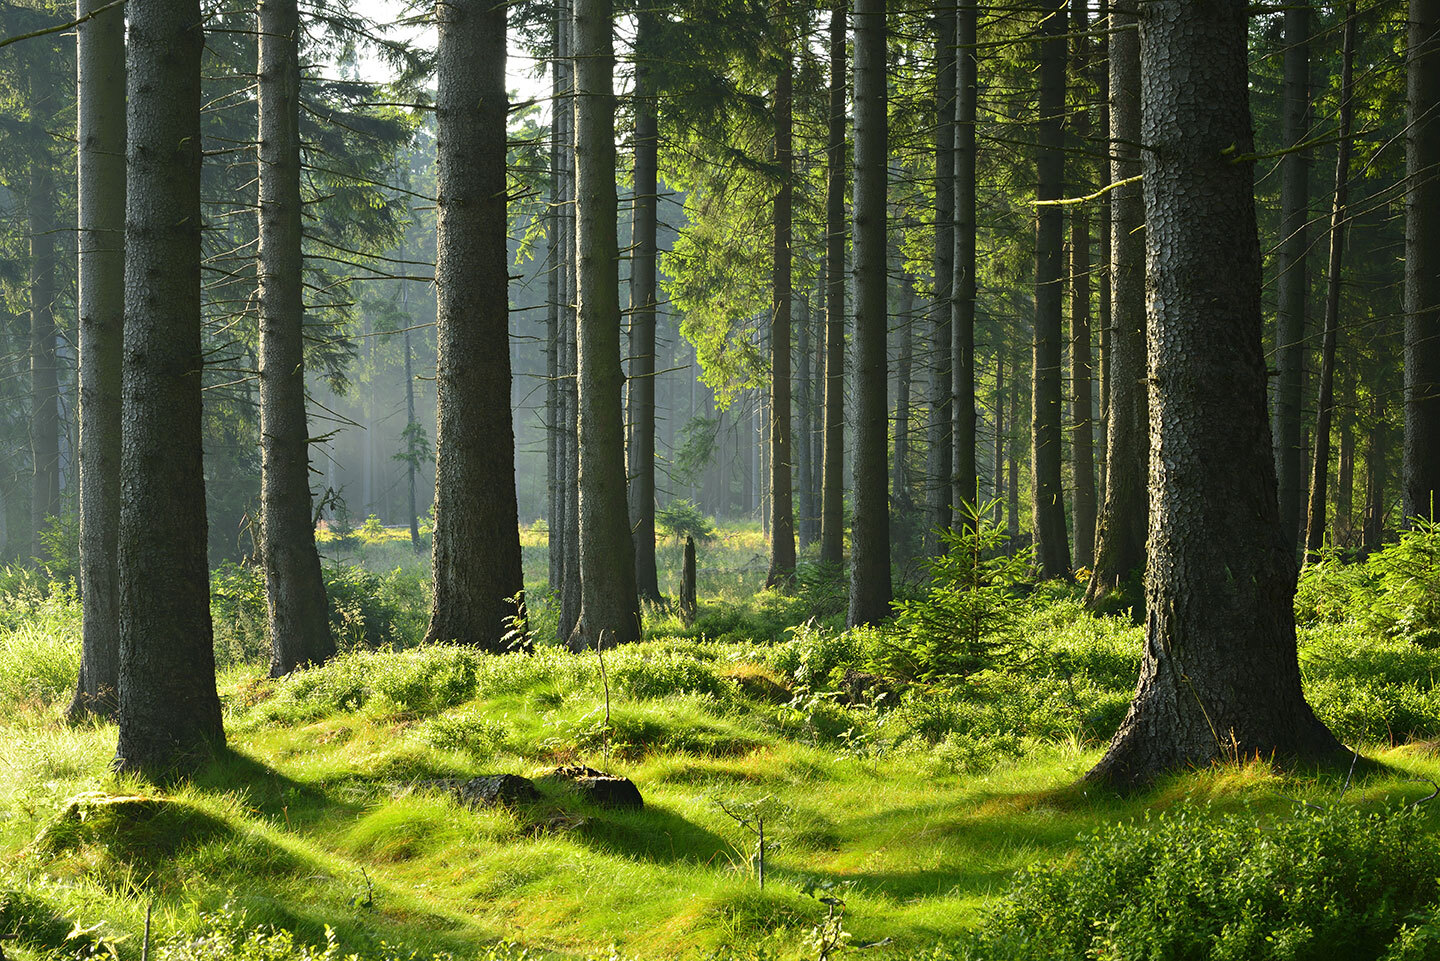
pixel 931 805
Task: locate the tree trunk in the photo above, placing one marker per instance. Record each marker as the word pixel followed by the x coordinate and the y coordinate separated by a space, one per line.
pixel 962 317
pixel 299 615
pixel 1120 535
pixel 1375 455
pixel 941 424
pixel 1001 425
pixel 1082 443
pixel 1421 461
pixel 1220 678
pixel 900 469
pixel 870 526
pixel 1345 468
pixel 476 554
pixel 1101 68
pixel 44 385
pixel 782 511
pixel 169 710
pixel 1047 498
pixel 805 435
pixel 642 312
pixel 570 588
pixel 100 133
pixel 1012 487
pixel 555 288
pixel 1325 407
pixel 411 425
pixel 832 494
pixel 1291 273
pixel 609 601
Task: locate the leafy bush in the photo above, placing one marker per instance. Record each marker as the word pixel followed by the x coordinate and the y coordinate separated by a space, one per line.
pixel 822 588
pixel 39 642
pixel 968 616
pixel 1318 885
pixel 1395 592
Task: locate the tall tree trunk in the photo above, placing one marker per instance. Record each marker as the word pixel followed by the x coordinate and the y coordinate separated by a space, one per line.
pixel 411 425
pixel 1325 408
pixel 1012 486
pixel 642 311
pixel 169 710
pixel 1220 677
pixel 1120 536
pixel 870 526
pixel 299 615
pixel 554 417
pixel 904 363
pixel 609 600
pixel 1421 459
pixel 1291 273
pixel 832 494
pixel 570 589
pixel 1082 444
pixel 1376 451
pixel 940 425
pixel 100 133
pixel 1101 69
pixel 782 458
pixel 1001 425
pixel 962 316
pixel 476 554
pixel 1047 498
pixel 44 384
pixel 1345 469
pixel 805 434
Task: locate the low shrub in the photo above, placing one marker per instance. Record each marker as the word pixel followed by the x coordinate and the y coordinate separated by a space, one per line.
pixel 1341 883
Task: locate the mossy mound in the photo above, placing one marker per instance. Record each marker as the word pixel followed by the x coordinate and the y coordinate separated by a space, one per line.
pixel 130 827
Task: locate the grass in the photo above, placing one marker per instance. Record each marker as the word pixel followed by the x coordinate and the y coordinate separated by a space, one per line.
pixel 920 812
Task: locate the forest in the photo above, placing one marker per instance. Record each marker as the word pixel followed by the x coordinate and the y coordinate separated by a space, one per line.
pixel 742 480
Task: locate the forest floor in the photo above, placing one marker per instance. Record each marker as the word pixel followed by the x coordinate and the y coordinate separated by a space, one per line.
pixel 920 804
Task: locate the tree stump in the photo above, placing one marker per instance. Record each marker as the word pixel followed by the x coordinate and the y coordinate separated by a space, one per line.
pixel 687 582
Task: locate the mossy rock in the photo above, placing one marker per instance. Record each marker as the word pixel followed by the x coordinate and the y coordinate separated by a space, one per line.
pixel 131 826
pixel 759 683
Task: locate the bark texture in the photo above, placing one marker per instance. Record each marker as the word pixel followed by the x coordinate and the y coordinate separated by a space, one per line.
pixel 1290 263
pixel 1325 406
pixel 100 133
pixel 1047 497
pixel 1121 530
pixel 476 554
pixel 870 526
pixel 1082 439
pixel 641 394
pixel 1421 459
pixel 940 425
pixel 299 614
pixel 832 493
pixel 169 710
pixel 964 475
pixel 782 458
pixel 1219 678
pixel 44 382
pixel 609 602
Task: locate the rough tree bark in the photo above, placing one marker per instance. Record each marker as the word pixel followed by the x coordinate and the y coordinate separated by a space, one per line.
pixel 964 477
pixel 609 601
pixel 298 612
pixel 900 499
pixel 554 436
pixel 781 480
pixel 870 526
pixel 940 425
pixel 1220 677
pixel 1047 496
pixel 100 133
pixel 169 710
pixel 476 553
pixel 1325 406
pixel 1120 534
pixel 1292 280
pixel 832 493
pixel 1082 442
pixel 1421 456
pixel 642 310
